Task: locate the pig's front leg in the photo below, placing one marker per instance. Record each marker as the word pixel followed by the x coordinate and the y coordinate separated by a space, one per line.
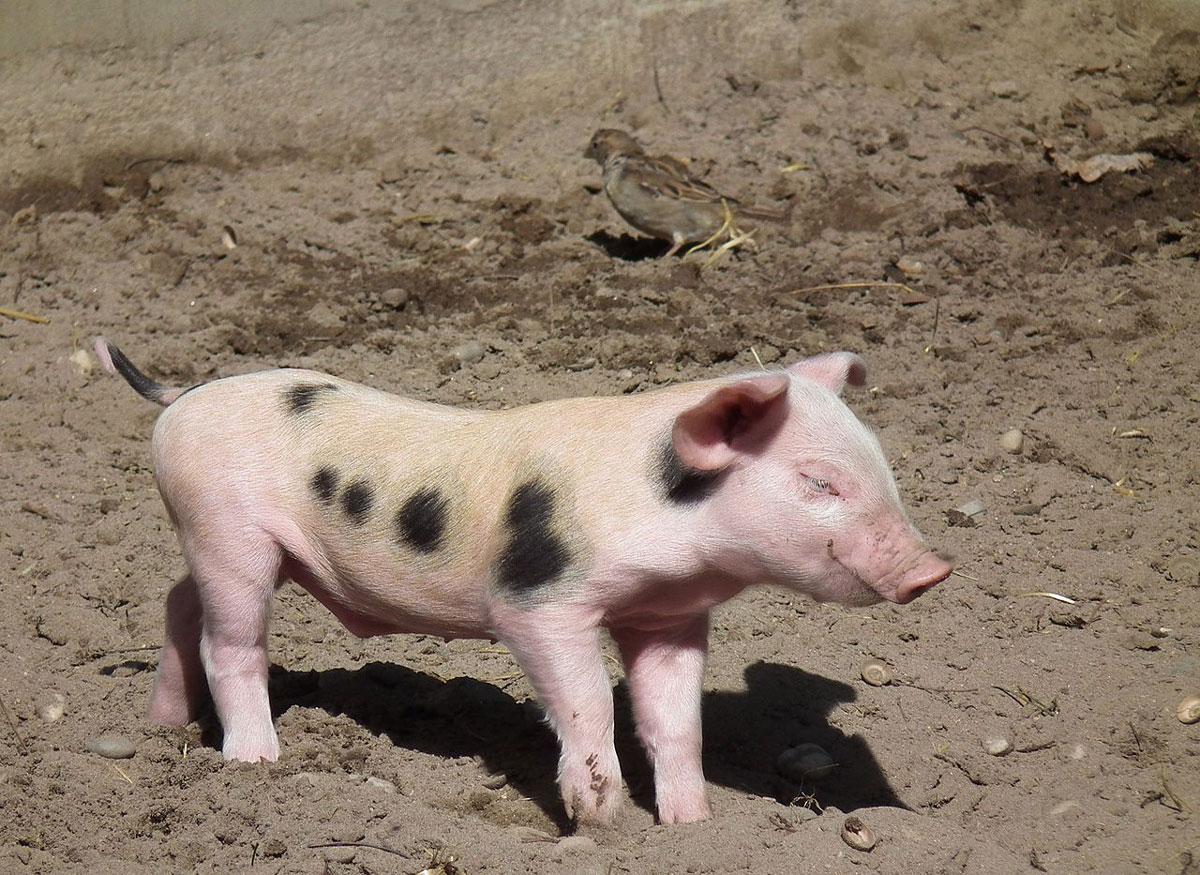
pixel 665 673
pixel 559 649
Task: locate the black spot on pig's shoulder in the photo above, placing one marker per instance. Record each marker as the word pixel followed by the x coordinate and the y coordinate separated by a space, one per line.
pixel 357 501
pixel 324 483
pixel 421 520
pixel 534 554
pixel 302 396
pixel 681 484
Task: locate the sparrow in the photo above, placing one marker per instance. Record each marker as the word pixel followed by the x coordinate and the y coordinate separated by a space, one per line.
pixel 658 195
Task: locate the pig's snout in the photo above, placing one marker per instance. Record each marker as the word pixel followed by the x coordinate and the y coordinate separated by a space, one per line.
pixel 893 560
pixel 930 570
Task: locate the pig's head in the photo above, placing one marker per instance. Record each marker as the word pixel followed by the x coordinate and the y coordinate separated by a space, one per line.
pixel 801 492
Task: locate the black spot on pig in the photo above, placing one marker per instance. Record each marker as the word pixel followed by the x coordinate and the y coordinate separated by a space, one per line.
pixel 301 397
pixel 421 520
pixel 357 500
pixel 681 484
pixel 534 554
pixel 324 484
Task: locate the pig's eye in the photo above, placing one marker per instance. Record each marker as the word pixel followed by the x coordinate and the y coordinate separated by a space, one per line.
pixel 822 486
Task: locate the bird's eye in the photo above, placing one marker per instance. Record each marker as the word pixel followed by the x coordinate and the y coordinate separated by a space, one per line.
pixel 819 485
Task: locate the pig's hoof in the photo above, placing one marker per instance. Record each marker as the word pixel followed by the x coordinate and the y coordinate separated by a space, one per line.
pixel 588 810
pixel 684 812
pixel 251 751
pixel 593 794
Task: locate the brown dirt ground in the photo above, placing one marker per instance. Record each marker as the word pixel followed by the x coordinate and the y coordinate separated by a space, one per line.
pixel 1065 310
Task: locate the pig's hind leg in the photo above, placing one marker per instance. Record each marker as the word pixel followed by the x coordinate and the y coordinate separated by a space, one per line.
pixel 236 574
pixel 179 685
pixel 665 672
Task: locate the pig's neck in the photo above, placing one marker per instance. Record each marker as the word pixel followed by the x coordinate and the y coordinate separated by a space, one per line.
pixel 666 575
pixel 653 558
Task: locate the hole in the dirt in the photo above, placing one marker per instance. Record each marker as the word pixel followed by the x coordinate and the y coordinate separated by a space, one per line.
pixel 1065 208
pixel 127 667
pixel 629 248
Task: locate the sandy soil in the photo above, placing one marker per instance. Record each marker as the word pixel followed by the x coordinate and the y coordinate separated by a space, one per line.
pixel 1067 311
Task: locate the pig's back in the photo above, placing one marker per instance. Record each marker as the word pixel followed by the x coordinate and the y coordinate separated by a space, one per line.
pixel 257 435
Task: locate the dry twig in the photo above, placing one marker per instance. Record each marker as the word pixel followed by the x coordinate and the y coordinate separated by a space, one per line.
pixel 370 845
pixel 21 314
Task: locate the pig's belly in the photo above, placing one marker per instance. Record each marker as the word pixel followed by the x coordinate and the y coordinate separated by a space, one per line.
pixel 368 609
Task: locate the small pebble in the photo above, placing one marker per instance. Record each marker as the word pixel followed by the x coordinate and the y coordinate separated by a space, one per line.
pixel 52 710
pixel 857 834
pixel 997 745
pixel 394 298
pixel 469 353
pixel 489 370
pixel 974 507
pixel 910 267
pixel 1012 441
pixel 155 182
pixel 1065 806
pixel 381 784
pixel 83 362
pixel 495 782
pixel 273 846
pixel 113 747
pixel 1189 710
pixel 805 762
pixel 1184 569
pixel 874 672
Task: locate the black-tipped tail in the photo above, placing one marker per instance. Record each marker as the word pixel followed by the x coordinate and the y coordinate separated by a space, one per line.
pixel 113 360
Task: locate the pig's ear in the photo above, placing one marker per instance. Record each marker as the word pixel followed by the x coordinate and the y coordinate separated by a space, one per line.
pixel 833 370
pixel 704 435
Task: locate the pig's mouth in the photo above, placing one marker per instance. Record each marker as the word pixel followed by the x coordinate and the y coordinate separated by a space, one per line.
pixel 866 596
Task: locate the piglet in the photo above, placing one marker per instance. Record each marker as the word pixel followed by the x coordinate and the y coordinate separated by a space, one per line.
pixel 543 527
